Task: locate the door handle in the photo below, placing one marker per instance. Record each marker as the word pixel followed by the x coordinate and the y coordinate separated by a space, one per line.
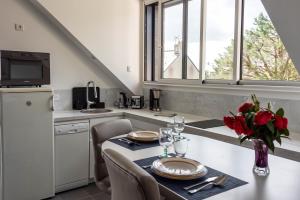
pixel 51 103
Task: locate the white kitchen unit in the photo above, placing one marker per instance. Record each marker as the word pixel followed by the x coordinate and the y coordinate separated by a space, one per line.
pixel 93 122
pixel 71 155
pixel 27 147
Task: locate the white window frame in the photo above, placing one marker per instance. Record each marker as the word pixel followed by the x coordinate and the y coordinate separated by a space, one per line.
pixel 211 83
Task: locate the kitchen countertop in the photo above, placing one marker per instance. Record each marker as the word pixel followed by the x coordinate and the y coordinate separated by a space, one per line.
pixel 62 116
pixel 289 149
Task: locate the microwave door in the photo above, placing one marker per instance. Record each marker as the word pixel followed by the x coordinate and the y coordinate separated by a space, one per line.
pixel 26 70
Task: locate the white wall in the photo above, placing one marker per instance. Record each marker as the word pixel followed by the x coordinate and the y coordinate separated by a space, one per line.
pixel 108 29
pixel 69 67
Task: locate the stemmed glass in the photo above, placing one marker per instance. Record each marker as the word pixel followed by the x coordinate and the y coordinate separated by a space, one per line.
pixel 179 121
pixel 165 139
pixel 173 127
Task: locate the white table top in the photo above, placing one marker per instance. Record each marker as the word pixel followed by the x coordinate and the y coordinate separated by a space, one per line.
pixel 283 182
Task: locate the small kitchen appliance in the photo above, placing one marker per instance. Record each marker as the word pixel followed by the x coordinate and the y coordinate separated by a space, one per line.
pixel 155 99
pixel 79 98
pixel 19 68
pixel 137 102
pixel 123 101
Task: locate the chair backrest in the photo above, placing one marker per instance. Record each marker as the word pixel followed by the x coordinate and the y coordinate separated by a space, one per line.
pixel 102 132
pixel 129 181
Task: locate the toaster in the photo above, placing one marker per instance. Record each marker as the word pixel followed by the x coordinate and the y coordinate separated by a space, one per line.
pixel 137 102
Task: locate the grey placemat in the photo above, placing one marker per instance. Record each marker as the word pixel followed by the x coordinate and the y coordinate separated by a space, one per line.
pixel 133 147
pixel 207 123
pixel 177 186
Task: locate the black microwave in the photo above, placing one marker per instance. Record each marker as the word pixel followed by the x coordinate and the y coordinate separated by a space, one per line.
pixel 19 68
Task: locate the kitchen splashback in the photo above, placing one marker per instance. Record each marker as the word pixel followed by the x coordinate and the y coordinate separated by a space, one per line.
pixel 218 105
pixel 63 98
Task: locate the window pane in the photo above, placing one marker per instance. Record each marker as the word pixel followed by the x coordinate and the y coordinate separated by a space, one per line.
pixel 219 39
pixel 172 39
pixel 193 39
pixel 150 35
pixel 264 55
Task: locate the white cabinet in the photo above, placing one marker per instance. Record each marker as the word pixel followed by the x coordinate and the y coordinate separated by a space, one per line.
pixel 93 122
pixel 71 155
pixel 27 160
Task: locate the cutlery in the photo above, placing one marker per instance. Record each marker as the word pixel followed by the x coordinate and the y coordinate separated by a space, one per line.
pixel 202 182
pixel 217 182
pixel 146 166
pixel 129 142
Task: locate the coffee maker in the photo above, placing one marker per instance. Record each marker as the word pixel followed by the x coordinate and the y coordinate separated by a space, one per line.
pixel 154 99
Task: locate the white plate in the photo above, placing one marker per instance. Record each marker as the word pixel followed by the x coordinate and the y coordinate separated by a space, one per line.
pixel 179 168
pixel 144 136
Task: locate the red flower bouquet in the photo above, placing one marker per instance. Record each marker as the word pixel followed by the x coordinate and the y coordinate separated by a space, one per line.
pixel 254 122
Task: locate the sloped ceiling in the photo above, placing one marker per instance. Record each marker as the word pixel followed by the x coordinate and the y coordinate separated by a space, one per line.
pixel 108 31
pixel 285 16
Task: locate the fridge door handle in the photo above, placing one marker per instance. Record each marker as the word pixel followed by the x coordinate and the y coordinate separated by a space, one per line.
pixel 51 103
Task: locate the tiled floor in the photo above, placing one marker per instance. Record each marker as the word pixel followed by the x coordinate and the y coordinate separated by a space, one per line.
pixel 89 192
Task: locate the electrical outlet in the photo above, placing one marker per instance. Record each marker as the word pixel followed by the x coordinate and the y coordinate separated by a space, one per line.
pixel 19 27
pixel 128 68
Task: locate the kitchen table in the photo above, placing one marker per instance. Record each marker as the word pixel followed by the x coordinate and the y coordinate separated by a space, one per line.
pixel 283 182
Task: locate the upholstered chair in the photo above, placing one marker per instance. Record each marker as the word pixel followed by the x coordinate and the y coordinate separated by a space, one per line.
pixel 100 133
pixel 128 180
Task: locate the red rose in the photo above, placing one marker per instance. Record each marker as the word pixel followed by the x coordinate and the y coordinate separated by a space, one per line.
pixel 262 118
pixel 238 123
pixel 280 122
pixel 241 127
pixel 245 107
pixel 229 121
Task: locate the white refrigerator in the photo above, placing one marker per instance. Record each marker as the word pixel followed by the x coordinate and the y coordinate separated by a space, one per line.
pixel 27 144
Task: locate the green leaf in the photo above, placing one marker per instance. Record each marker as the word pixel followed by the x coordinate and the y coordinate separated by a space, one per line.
pixel 269 142
pixel 278 139
pixel 270 126
pixel 280 112
pixel 269 106
pixel 285 132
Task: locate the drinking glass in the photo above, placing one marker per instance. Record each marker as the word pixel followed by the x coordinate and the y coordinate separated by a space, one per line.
pixel 180 145
pixel 173 126
pixel 179 120
pixel 165 139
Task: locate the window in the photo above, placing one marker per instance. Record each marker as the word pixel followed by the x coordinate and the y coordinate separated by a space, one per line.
pixel 172 39
pixel 193 39
pixel 264 55
pixel 219 39
pixel 215 41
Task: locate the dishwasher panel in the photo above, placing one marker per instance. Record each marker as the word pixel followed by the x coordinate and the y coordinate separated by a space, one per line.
pixel 71 156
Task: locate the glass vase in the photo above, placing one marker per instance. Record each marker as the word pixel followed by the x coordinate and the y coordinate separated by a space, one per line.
pixel 261 166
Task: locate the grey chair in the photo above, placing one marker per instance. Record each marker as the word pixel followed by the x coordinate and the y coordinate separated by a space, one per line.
pixel 129 181
pixel 100 133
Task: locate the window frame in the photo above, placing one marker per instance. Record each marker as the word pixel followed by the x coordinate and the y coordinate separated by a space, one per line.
pixel 237 57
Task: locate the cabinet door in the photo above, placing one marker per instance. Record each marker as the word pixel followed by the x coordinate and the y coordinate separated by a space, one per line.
pixel 27 134
pixel 93 122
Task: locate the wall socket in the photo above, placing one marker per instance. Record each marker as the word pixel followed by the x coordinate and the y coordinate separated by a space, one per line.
pixel 19 27
pixel 128 68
